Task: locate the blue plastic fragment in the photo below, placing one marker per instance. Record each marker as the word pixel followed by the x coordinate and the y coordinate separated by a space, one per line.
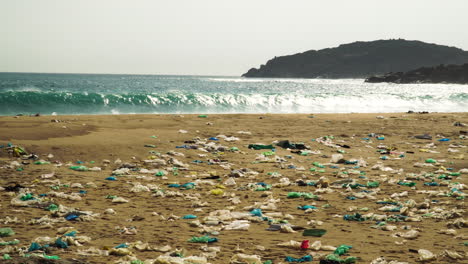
pixel 256 212
pixel 305 258
pixel 34 246
pixel 71 234
pixel 71 217
pixel 60 243
pixel 444 139
pixel 188 185
pixel 189 216
pixel 123 245
pixel 305 207
pixel 111 178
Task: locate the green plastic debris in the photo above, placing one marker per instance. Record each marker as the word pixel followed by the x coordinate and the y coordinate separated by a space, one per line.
pixel 26 197
pixel 454 173
pixel 6 257
pixel 150 146
pixel 202 116
pixel 203 239
pixel 355 217
pixel 317 164
pixel 431 161
pixel 302 194
pixel 268 153
pixel 265 188
pixel 20 169
pixel 78 168
pixel 409 184
pixel 4 232
pixel 234 149
pixel 8 243
pixel 268 262
pixel 137 261
pixel 258 146
pixel 51 257
pixel 52 207
pixel 111 196
pixel 159 173
pixel 314 232
pixel 41 162
pixel 19 151
pixel 373 184
pixel 348 260
pixel 342 249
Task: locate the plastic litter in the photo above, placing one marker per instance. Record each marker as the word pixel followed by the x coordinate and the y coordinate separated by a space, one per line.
pixel 314 232
pixel 305 258
pixel 6 232
pixel 203 239
pixel 78 168
pixel 260 146
pixel 189 216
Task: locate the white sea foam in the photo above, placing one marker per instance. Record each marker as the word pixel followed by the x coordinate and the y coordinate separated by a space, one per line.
pixel 185 94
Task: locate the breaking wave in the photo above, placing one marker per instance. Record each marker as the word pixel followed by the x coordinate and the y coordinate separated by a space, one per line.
pixel 125 94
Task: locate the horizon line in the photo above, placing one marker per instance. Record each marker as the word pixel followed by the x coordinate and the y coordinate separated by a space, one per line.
pixel 152 74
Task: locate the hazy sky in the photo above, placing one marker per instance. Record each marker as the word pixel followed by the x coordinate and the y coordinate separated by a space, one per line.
pixel 206 37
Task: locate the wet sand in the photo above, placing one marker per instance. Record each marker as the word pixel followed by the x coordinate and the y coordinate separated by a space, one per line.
pixel 123 137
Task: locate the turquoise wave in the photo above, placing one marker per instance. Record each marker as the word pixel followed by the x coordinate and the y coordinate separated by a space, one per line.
pixel 30 102
pixel 27 93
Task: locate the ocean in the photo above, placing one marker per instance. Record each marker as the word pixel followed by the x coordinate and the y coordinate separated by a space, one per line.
pixel 64 94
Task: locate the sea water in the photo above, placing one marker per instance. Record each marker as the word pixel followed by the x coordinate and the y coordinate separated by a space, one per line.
pixel 30 93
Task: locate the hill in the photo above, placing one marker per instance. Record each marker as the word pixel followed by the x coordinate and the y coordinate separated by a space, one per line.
pixel 360 60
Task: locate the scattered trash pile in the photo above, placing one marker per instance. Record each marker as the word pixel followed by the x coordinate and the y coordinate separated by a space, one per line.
pixel 206 198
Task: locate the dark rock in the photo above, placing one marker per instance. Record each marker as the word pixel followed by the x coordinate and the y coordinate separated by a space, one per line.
pixel 14 188
pixel 440 74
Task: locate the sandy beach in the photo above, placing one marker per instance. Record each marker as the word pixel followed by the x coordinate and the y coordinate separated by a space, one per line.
pixel 149 147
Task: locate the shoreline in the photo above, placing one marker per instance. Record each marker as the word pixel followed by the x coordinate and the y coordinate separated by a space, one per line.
pixel 234 113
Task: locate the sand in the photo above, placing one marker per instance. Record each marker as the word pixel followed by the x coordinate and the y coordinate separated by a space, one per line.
pixel 112 137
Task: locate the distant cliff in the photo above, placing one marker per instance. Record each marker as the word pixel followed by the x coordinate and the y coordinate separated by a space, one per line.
pixel 360 60
pixel 440 74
